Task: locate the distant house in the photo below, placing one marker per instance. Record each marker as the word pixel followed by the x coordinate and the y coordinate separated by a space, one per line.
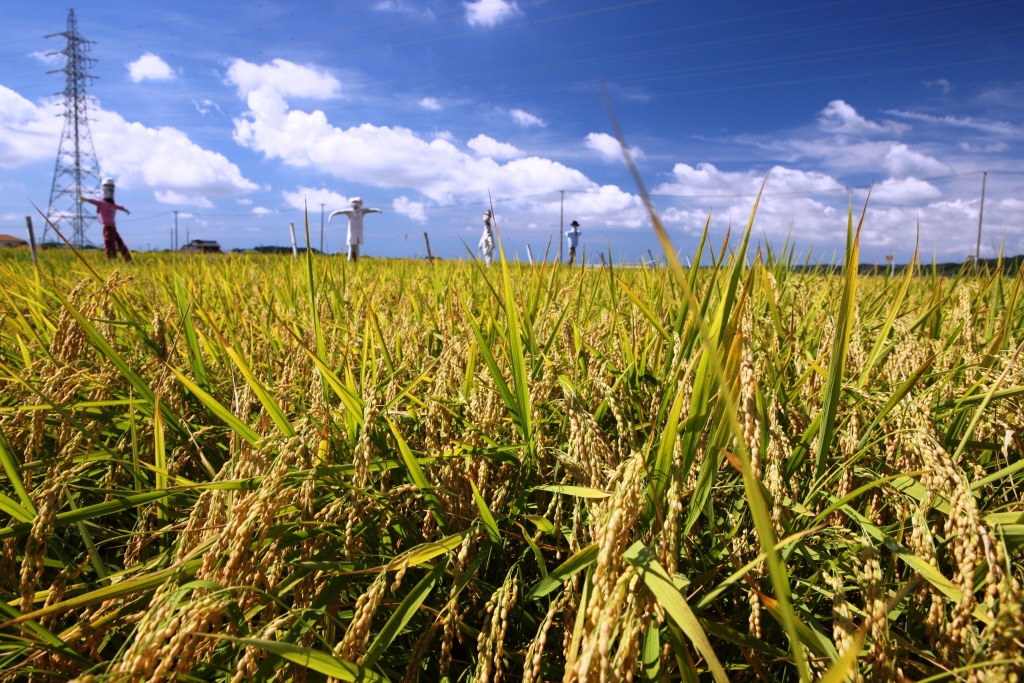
pixel 202 247
pixel 9 241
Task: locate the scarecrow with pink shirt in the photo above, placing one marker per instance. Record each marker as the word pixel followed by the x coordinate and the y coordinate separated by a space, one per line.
pixel 105 209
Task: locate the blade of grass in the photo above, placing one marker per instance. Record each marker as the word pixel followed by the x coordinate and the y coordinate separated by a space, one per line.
pixel 660 584
pixel 840 345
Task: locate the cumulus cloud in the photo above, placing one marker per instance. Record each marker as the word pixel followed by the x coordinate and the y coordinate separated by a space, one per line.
pixel 285 78
pixel 141 158
pixel 840 117
pixel 490 13
pixel 526 119
pixel 407 207
pixel 813 207
pixel 903 162
pixel 397 157
pixel 708 181
pixel 609 148
pixel 149 67
pixel 905 191
pixel 164 159
pixel 489 147
pixel 28 132
pixel 430 104
pixel 261 211
pixel 180 199
pixel 308 197
pixel 791 198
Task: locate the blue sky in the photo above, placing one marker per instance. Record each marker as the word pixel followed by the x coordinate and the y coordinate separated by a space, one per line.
pixel 238 114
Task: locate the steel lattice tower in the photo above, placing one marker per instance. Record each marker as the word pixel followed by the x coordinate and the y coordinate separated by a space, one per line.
pixel 77 171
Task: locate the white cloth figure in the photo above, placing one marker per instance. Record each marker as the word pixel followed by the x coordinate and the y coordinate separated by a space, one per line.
pixel 573 236
pixel 486 244
pixel 355 225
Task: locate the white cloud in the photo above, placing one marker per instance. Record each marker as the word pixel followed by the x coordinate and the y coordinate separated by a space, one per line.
pixel 261 211
pixel 526 119
pixel 705 180
pixel 28 132
pixel 444 135
pixel 840 117
pixel 903 162
pixel 490 13
pixel 489 147
pixel 609 148
pixel 312 198
pixel 204 107
pixel 48 58
pixel 149 67
pixel 141 158
pixel 430 103
pixel 405 8
pixel 906 191
pixel 407 207
pixel 396 157
pixel 992 148
pixel 285 78
pixel 244 201
pixel 940 83
pixel 994 127
pixel 792 197
pixel 163 159
pixel 179 199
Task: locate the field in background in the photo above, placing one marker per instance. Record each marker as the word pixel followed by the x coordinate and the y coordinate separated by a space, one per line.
pixel 246 468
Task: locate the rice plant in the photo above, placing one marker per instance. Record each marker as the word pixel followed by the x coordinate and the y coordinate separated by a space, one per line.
pixel 250 468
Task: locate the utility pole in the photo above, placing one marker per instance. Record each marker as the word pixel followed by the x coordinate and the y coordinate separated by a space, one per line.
pixel 321 228
pixel 77 171
pixel 561 225
pixel 981 211
pixel 174 247
pixel 32 239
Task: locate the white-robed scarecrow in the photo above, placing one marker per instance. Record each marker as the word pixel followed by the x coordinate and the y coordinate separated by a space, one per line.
pixel 355 225
pixel 486 244
pixel 574 239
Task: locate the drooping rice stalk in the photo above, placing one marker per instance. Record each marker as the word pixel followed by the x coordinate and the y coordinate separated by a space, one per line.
pixel 251 468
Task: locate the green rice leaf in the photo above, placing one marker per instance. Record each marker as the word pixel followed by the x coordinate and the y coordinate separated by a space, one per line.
pixel 556 577
pixel 660 584
pixel 315 660
pixel 840 346
pixel 225 415
pixel 403 614
pixel 485 515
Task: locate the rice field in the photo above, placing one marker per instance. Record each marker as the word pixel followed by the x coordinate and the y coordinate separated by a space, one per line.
pixel 252 468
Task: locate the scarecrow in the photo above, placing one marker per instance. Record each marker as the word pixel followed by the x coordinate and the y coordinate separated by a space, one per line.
pixel 355 225
pixel 574 240
pixel 105 209
pixel 486 244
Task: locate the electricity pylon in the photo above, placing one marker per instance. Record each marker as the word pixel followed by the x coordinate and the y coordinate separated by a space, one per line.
pixel 77 171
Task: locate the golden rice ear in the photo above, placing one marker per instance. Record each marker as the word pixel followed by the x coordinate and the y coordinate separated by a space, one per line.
pixel 261 466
